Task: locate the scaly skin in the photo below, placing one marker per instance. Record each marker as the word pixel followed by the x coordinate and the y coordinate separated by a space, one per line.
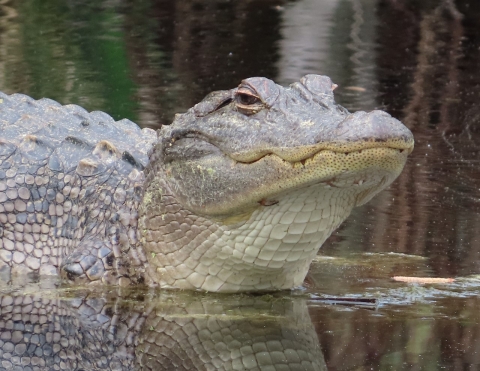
pixel 238 194
pixel 70 185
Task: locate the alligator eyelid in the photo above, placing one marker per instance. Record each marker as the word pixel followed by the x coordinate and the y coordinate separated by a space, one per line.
pixel 245 93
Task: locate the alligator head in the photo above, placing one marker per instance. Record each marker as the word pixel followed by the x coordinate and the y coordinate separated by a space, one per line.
pixel 244 187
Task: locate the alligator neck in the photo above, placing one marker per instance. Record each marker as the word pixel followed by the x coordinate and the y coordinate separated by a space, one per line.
pixel 272 250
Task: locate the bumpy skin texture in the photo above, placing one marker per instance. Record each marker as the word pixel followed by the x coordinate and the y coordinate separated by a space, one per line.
pixel 238 194
pixel 104 333
pixel 70 184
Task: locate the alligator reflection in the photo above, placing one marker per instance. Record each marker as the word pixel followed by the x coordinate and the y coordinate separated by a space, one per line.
pixel 85 330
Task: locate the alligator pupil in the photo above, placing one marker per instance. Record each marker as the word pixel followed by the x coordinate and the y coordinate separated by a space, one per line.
pixel 247 99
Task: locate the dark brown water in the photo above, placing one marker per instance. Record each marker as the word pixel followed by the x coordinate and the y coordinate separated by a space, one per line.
pixel 146 60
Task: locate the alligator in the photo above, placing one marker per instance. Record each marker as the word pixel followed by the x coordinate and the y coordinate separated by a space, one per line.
pixel 237 194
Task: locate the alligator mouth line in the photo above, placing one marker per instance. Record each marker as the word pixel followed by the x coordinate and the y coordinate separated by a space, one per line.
pixel 305 161
pixel 312 150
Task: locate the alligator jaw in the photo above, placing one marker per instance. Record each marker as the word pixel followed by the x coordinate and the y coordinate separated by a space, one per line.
pixel 305 154
pixel 300 153
pixel 244 185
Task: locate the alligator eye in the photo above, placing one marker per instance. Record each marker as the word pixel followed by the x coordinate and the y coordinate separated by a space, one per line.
pixel 247 102
pixel 247 99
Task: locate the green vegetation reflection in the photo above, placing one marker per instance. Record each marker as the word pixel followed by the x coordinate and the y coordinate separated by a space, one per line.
pixel 70 52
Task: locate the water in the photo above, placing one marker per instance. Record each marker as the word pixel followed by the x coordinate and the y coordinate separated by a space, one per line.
pixel 147 60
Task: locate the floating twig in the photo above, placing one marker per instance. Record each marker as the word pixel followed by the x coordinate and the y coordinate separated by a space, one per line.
pixel 422 279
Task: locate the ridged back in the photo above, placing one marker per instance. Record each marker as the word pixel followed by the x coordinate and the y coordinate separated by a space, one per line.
pixel 67 137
